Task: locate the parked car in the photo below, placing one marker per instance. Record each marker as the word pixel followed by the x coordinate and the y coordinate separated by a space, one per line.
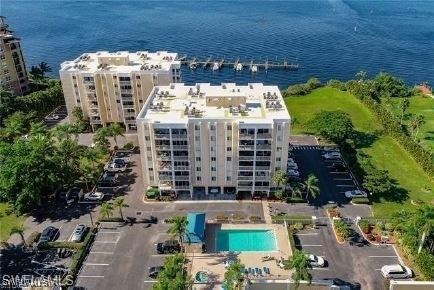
pixel 328 149
pixel 339 167
pixel 168 247
pixel 122 155
pixel 49 234
pixel 119 161
pixel 74 195
pixel 78 233
pixel 355 193
pixel 396 271
pixel 114 167
pixel 154 271
pixel 332 155
pixel 94 196
pixel 61 194
pixel 357 240
pixel 293 172
pixel 316 261
pixel 108 179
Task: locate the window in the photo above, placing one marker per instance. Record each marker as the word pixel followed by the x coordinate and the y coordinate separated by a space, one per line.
pixel 213 178
pixel 229 148
pixel 212 138
pixel 229 127
pixel 198 159
pixel 197 138
pixel 147 138
pixel 229 138
pixel 148 148
pixel 279 138
pixel 151 178
pixel 229 158
pixel 212 148
pixel 198 169
pixel 213 168
pixel 228 178
pixel 279 148
pixel 151 169
pixel 78 101
pixel 278 159
pixel 196 127
pixel 279 127
pixel 149 158
pixel 212 127
pixel 198 178
pixel 213 159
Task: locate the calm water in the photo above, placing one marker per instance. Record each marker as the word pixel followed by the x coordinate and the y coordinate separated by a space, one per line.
pixel 245 240
pixel 329 39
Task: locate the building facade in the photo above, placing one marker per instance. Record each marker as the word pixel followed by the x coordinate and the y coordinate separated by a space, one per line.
pixel 13 73
pixel 112 87
pixel 207 139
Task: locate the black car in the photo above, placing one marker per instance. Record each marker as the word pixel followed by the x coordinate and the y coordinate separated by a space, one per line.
pixel 168 247
pixel 49 234
pixel 108 179
pixel 339 167
pixel 357 240
pixel 154 271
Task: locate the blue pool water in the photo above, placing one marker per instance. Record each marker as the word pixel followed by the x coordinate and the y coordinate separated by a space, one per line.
pixel 245 240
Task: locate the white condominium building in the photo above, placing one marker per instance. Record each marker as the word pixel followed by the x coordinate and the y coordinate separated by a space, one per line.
pixel 112 87
pixel 207 139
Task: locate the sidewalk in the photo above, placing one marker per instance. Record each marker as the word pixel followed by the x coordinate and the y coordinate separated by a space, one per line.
pixel 266 210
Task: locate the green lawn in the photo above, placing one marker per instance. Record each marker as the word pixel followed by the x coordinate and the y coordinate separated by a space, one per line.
pixel 385 152
pixel 7 221
pixel 422 105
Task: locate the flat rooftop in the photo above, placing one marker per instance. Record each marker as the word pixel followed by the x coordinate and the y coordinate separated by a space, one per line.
pixel 179 103
pixel 121 62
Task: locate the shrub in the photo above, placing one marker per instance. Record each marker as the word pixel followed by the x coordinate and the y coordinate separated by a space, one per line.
pixel 302 89
pixel 298 226
pixel 342 228
pixel 128 146
pixel 360 200
pixel 337 84
pixel 364 225
pixel 295 200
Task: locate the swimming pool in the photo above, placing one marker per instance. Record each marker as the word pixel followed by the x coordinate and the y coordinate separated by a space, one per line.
pixel 245 240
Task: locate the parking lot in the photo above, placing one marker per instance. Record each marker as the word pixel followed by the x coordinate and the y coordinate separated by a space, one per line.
pixel 57 116
pixel 348 263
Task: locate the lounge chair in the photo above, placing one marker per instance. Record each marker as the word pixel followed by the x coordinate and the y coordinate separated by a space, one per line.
pixel 256 271
pixel 265 270
pixel 260 272
pixel 251 271
pixel 268 271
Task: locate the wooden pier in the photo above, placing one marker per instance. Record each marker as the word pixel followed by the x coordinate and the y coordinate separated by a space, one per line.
pixel 218 63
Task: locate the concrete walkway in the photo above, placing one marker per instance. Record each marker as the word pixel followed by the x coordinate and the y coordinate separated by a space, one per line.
pixel 266 210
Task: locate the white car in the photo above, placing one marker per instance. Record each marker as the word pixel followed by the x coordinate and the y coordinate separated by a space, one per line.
pixel 396 271
pixel 292 166
pixel 113 167
pixel 355 193
pixel 332 155
pixel 293 172
pixel 315 261
pixel 94 196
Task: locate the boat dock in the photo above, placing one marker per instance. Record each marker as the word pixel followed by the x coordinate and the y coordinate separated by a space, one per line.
pixel 218 63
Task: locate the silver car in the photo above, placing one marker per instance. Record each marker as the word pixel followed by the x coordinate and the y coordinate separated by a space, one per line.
pixel 78 234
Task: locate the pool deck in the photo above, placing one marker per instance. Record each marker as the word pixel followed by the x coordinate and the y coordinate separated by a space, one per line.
pixel 213 262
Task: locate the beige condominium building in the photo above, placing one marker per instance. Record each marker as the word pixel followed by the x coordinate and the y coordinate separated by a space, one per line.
pixel 112 87
pixel 213 139
pixel 13 74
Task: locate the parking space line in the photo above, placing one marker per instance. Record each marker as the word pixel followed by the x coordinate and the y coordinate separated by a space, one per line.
pixel 96 264
pixel 382 256
pixel 161 255
pixel 108 253
pixel 149 281
pixel 90 276
pixel 309 245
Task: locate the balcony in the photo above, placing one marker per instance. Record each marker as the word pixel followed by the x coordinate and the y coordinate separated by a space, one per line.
pixel 182 178
pixel 181 168
pixel 262 188
pixel 243 187
pixel 263 158
pixel 180 158
pixel 262 168
pixel 246 147
pixel 264 136
pixel 247 136
pixel 244 158
pixel 180 147
pixel 249 178
pixel 162 147
pixel 162 136
pixel 262 178
pixel 165 178
pixel 263 147
pixel 164 158
pixel 179 136
pixel 248 168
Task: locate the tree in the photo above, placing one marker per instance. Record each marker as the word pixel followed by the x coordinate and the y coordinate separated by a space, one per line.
pixel 115 130
pixel 335 126
pixel 178 225
pixel 38 128
pixel 172 276
pixel 119 202
pixel 300 263
pixel 279 193
pixel 78 119
pixel 36 73
pixel 20 231
pixel 100 137
pixel 106 209
pixel 426 218
pixel 16 125
pixel 234 276
pixel 416 123
pixel 377 181
pixel 279 178
pixel 386 85
pixel 403 106
pixel 312 186
pixel 44 68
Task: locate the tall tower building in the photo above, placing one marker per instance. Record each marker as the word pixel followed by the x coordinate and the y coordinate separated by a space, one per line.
pixel 13 73
pixel 113 87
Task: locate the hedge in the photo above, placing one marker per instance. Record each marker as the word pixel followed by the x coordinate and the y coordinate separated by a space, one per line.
pixel 360 200
pixel 295 200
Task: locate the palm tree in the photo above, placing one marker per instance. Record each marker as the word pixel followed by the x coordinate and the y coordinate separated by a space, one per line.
pixel 92 155
pixel 234 276
pixel 116 130
pixel 44 68
pixel 403 106
pixel 426 216
pixel 416 124
pixel 279 178
pixel 119 202
pixel 20 231
pixel 178 226
pixel 300 263
pixel 35 72
pixel 312 186
pixel 106 209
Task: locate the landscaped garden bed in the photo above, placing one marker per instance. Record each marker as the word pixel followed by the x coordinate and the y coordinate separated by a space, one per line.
pixel 377 232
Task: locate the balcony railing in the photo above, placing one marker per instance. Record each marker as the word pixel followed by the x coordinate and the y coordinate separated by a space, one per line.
pixel 162 136
pixel 243 158
pixel 179 136
pixel 162 147
pixel 262 168
pixel 182 168
pixel 245 177
pixel 164 177
pixel 245 168
pixel 180 147
pixel 182 178
pixel 263 158
pixel 178 158
pixel 247 136
pixel 264 136
pixel 262 188
pixel 165 168
pixel 246 147
pixel 244 187
pixel 164 158
pixel 182 187
pixel 263 147
pixel 262 178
